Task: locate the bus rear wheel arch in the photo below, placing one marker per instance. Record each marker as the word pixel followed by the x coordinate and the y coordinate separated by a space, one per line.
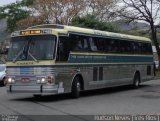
pixel 136 80
pixel 77 86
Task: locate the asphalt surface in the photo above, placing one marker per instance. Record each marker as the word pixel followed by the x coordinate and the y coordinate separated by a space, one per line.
pixel 118 100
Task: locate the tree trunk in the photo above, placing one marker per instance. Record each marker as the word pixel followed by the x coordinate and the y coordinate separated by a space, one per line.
pixel 155 42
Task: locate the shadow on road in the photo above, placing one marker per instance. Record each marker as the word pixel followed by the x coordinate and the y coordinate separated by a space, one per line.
pixel 60 97
pixel 1 85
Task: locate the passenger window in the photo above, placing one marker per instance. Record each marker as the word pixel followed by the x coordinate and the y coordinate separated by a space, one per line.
pixel 92 44
pixel 140 48
pixel 100 44
pixel 112 46
pixel 149 48
pixel 85 44
pixel 80 43
pixel 125 47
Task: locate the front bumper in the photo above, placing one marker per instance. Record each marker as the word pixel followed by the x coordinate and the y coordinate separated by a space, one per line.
pixel 38 89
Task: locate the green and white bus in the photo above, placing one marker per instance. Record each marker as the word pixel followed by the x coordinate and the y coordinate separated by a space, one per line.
pixel 53 59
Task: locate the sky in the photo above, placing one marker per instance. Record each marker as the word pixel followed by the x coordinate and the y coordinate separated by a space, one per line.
pixel 5 2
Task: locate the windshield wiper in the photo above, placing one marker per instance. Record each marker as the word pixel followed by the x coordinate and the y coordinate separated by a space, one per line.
pixel 32 57
pixel 14 59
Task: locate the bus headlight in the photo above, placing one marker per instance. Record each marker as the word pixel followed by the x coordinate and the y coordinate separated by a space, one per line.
pixel 38 81
pixel 10 80
pixel 41 80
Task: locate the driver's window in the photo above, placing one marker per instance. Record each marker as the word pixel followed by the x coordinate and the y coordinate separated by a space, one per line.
pixel 63 49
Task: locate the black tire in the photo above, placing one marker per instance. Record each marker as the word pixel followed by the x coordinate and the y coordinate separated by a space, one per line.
pixel 76 87
pixel 136 81
pixel 2 83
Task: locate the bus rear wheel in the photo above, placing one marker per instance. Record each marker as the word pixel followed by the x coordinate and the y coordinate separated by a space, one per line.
pixel 136 81
pixel 76 87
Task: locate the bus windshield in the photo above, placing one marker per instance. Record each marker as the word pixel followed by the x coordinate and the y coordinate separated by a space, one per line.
pixel 32 48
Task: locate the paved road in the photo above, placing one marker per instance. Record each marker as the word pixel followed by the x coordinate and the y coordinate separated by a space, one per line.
pixel 121 100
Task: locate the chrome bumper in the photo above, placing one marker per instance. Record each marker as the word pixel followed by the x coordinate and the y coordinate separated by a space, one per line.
pixel 38 89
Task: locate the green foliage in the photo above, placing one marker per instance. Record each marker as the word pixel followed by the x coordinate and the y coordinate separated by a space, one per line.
pixel 27 2
pixel 92 22
pixel 14 12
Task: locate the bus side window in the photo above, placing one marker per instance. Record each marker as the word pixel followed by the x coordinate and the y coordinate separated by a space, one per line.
pixel 99 42
pixel 92 44
pixel 85 45
pixel 133 47
pixel 78 46
pixel 128 47
pixel 144 46
pixel 147 48
pixel 140 48
pixel 125 47
pixel 63 49
pixel 80 43
pixel 106 47
pixel 113 46
pixel 136 48
pixel 116 48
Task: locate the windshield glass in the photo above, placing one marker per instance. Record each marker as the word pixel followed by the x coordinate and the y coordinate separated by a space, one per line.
pixel 32 48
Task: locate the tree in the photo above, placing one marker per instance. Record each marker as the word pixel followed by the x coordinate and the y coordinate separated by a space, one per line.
pixel 101 8
pixel 144 10
pixel 53 11
pixel 14 12
pixel 93 22
pixel 62 11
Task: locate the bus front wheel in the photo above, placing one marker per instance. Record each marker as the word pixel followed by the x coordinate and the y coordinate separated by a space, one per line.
pixel 136 81
pixel 76 87
pixel 3 82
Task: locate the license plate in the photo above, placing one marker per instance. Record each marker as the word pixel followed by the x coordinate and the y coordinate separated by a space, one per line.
pixel 25 80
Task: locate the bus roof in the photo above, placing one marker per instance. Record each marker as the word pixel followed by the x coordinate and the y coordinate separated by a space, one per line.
pixel 63 28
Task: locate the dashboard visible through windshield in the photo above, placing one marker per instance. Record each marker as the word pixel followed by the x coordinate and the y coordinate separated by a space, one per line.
pixel 32 48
